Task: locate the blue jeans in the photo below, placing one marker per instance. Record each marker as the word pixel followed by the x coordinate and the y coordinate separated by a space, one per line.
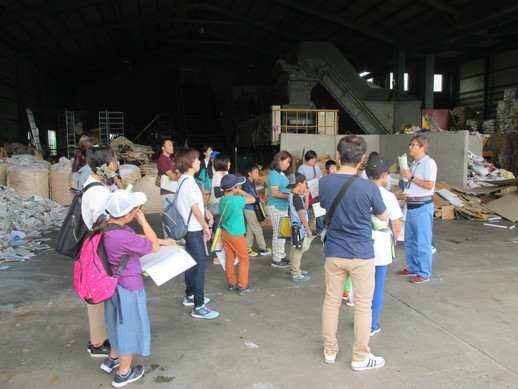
pixel 418 240
pixel 319 221
pixel 320 224
pixel 195 276
pixel 377 298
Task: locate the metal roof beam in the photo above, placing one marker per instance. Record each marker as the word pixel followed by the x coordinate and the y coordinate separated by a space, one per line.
pixel 441 6
pixel 340 20
pixel 508 15
pixel 42 9
pixel 246 44
pixel 98 28
pixel 254 22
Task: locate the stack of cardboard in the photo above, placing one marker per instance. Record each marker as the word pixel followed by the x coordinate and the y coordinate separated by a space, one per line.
pixel 482 203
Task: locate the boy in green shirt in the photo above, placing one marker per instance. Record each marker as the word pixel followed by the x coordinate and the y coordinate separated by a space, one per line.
pixel 233 234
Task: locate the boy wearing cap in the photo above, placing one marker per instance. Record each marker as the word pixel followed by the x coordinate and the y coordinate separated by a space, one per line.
pixel 377 170
pixel 253 227
pixel 233 234
pixel 298 201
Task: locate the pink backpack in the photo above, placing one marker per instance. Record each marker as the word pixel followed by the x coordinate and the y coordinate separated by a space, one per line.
pixel 93 277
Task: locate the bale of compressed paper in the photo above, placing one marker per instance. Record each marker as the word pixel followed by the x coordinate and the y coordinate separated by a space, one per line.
pixel 3 173
pixel 129 173
pixel 59 182
pixel 28 176
pixel 147 185
pixel 149 169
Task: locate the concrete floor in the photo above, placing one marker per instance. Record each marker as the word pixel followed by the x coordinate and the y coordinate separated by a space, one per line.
pixel 457 331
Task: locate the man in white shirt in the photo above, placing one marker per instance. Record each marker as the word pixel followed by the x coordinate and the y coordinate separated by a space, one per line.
pixel 418 193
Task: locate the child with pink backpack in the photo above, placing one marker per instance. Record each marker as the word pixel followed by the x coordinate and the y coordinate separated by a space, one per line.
pixel 125 312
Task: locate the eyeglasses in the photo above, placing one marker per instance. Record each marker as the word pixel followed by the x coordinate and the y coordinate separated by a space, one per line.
pixel 415 144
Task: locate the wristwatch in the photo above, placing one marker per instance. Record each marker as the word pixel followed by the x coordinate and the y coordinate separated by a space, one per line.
pixel 412 178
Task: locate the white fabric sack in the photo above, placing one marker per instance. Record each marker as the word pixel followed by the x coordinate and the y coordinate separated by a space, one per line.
pixel 129 173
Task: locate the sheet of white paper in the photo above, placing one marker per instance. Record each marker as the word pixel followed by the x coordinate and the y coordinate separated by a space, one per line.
pixel 167 184
pixel 166 263
pixel 223 258
pixel 313 187
pixel 318 210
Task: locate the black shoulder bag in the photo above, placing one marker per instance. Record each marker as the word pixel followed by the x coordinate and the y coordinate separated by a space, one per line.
pixel 329 215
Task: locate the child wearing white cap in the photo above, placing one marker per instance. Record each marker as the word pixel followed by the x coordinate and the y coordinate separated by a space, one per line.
pixel 126 315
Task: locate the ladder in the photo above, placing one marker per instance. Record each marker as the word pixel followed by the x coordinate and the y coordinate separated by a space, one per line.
pixel 67 124
pixel 35 137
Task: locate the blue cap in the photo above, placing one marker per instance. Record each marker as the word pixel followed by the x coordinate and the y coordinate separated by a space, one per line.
pixel 214 153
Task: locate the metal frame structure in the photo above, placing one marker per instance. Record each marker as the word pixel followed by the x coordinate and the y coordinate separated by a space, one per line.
pixel 111 125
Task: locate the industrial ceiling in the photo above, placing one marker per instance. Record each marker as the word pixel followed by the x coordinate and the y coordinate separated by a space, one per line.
pixel 77 37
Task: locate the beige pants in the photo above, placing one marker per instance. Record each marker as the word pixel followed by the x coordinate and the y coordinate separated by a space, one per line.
pixel 253 228
pixel 361 272
pixel 295 260
pixel 98 332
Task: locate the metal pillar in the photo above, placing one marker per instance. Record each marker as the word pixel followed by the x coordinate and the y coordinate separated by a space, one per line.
pixel 429 71
pixel 399 68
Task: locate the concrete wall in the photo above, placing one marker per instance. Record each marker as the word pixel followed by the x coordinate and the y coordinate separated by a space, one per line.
pixel 475 143
pixel 448 149
pixel 297 143
pixel 321 144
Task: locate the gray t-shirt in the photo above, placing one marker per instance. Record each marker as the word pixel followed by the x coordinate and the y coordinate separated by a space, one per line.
pixel 81 176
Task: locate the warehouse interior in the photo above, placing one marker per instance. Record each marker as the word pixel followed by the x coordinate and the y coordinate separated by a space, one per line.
pixel 197 70
pixel 252 77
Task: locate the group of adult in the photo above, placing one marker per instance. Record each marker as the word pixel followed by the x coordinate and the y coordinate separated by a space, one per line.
pixel 348 249
pixel 349 245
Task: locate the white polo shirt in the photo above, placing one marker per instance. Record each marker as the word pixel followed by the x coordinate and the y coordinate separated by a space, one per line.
pixel 425 169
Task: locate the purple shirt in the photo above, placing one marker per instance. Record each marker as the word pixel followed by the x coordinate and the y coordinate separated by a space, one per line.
pixel 164 164
pixel 121 242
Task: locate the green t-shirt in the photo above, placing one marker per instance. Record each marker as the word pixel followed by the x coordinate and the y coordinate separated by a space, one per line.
pixel 233 219
pixel 278 179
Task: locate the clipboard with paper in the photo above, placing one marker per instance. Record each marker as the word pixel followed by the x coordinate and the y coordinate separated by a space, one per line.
pixel 168 184
pixel 166 263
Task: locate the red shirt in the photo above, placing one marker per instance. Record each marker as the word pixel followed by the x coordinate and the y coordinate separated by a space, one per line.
pixel 165 164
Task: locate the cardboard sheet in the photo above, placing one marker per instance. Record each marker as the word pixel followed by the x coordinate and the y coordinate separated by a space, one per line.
pixel 513 181
pixel 479 190
pixel 506 206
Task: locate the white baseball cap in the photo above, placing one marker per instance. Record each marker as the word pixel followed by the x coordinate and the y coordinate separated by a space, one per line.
pixel 122 202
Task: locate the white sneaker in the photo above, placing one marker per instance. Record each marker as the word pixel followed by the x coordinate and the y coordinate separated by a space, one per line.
pixel 329 356
pixel 371 362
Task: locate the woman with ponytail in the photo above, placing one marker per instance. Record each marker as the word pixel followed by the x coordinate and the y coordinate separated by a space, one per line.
pixel 103 163
pixel 80 169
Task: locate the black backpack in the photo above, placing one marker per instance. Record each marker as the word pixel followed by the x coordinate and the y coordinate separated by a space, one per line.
pixel 73 231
